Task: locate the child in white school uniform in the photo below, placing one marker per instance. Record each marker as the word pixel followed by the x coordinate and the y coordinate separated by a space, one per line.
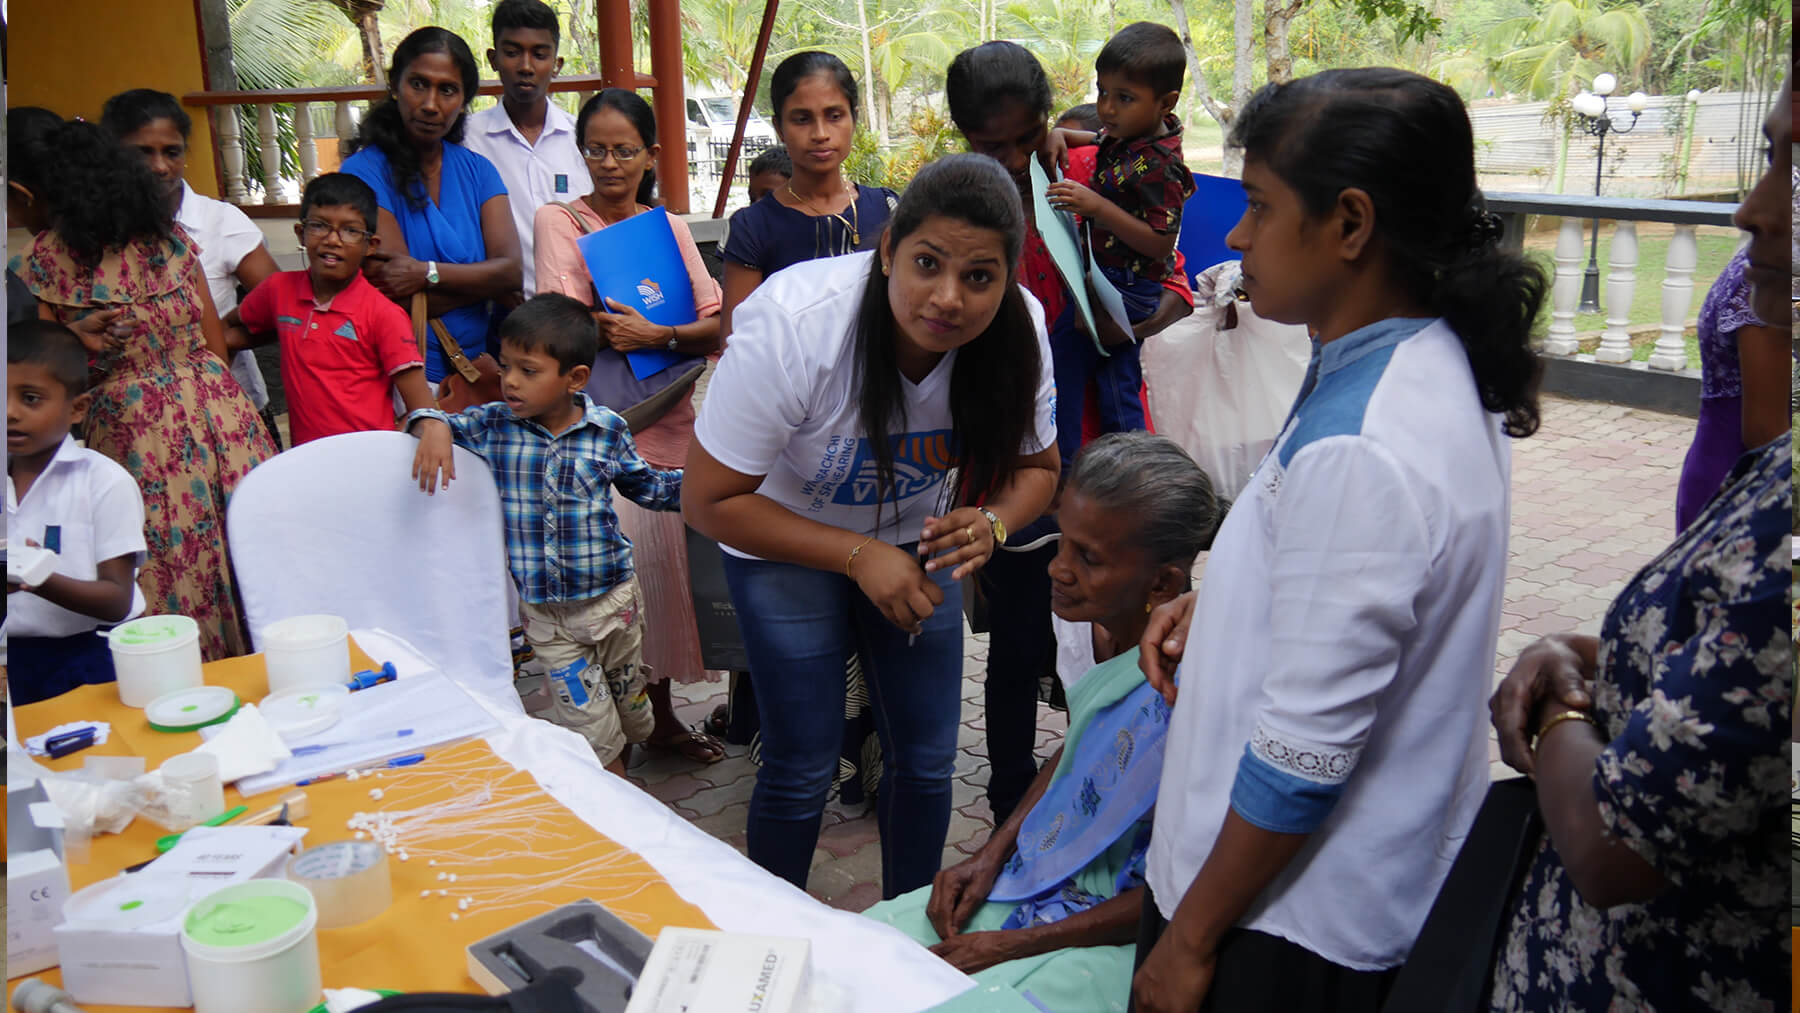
pixel 75 502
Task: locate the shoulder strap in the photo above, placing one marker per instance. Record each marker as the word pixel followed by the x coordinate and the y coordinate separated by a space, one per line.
pixel 451 348
pixel 581 223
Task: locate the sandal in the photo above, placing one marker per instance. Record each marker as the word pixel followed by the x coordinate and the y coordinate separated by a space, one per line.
pixel 718 723
pixel 694 744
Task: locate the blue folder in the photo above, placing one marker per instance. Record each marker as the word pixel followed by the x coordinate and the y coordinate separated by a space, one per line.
pixel 636 262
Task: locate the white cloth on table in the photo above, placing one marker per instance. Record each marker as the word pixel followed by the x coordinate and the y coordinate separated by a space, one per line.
pixel 226 235
pixel 339 526
pixel 535 174
pixel 99 514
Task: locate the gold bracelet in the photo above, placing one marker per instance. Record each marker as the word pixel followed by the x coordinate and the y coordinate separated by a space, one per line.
pixel 1556 719
pixel 853 554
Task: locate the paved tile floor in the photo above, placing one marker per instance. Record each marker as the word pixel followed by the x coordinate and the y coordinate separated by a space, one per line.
pixel 1593 500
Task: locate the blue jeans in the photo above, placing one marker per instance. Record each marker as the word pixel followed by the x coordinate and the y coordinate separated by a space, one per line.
pixel 798 626
pixel 1118 377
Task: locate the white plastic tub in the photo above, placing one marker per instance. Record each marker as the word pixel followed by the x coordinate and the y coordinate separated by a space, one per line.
pixel 253 948
pixel 153 656
pixel 196 795
pixel 307 651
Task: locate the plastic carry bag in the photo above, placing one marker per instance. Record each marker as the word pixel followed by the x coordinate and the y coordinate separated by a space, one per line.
pixel 1221 381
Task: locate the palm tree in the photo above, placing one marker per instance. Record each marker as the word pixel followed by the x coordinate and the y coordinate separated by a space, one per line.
pixel 283 44
pixel 365 15
pixel 1551 53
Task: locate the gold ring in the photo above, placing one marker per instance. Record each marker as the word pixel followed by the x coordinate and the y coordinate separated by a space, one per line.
pixel 970 531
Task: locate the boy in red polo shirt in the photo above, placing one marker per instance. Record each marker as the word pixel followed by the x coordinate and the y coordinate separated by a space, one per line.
pixel 345 348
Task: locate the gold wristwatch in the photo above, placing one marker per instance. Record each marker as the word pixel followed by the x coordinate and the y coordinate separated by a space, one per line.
pixel 996 523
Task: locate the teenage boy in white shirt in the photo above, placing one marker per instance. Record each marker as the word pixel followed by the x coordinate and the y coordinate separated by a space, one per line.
pixel 527 137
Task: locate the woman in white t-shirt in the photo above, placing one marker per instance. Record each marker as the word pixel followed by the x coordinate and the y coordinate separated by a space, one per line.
pixel 876 424
pixel 232 249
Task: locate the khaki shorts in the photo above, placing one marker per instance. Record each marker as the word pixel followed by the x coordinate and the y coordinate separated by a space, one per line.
pixel 592 655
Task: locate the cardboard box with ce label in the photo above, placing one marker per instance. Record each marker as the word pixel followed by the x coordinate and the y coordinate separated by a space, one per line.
pixel 37 885
pixel 724 972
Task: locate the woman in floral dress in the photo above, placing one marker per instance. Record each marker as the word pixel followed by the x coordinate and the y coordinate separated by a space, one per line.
pixel 1657 747
pixel 164 403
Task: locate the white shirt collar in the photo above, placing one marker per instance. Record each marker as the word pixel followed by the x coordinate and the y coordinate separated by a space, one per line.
pixel 67 452
pixel 498 122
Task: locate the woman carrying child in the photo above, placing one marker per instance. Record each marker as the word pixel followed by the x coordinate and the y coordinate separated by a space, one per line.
pixel 999 98
pixel 164 403
pixel 446 226
pixel 1326 758
pixel 616 133
pixel 856 387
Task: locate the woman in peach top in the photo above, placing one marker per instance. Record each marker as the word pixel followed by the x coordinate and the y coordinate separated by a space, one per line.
pixel 616 133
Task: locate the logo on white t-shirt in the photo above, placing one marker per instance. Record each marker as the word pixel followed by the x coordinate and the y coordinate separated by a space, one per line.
pixel 920 463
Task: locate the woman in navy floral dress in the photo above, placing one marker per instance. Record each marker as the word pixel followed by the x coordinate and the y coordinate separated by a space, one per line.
pixel 1659 751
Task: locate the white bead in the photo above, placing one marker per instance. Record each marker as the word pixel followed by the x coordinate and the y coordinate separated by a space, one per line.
pixel 431 862
pixel 453 916
pixel 360 835
pixel 443 893
pixel 424 893
pixel 375 793
pixel 452 877
pixel 463 904
pixel 403 855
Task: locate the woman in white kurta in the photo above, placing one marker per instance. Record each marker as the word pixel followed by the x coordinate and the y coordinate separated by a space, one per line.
pixel 1326 755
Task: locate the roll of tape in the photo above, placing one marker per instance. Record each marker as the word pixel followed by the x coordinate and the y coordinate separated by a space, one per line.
pixel 348 881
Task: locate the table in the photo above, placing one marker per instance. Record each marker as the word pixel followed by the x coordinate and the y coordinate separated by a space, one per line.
pixel 630 852
pixel 413 945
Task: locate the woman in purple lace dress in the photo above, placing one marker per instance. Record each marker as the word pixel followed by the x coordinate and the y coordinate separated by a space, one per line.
pixel 1736 350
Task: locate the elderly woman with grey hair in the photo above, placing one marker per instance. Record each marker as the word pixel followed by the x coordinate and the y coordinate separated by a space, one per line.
pixel 1050 905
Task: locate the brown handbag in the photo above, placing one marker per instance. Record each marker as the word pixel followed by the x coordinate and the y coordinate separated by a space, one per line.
pixel 469 382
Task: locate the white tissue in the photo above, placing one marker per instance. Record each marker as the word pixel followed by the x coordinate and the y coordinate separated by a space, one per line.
pixel 35 744
pixel 245 745
pixel 343 1000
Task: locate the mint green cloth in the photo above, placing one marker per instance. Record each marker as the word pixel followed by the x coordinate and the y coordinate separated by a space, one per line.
pixel 1077 979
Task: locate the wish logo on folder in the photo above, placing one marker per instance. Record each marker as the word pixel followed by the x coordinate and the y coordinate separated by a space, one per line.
pixel 636 262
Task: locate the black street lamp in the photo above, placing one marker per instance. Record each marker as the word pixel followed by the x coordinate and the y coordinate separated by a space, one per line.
pixel 1591 106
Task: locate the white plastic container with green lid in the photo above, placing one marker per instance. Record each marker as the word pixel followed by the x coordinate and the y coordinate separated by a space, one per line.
pixel 253 948
pixel 154 656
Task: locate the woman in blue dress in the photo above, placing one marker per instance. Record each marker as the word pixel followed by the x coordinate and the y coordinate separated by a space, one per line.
pixel 445 227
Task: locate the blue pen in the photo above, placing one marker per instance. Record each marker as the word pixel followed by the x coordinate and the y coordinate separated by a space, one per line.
pixel 398 761
pixel 321 747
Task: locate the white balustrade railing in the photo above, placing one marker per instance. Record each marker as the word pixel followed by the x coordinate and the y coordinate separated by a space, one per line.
pixel 1573 251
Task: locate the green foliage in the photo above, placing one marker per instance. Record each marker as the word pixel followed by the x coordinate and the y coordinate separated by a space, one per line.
pixel 927 136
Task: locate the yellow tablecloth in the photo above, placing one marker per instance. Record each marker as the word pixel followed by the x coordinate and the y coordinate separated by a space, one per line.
pixel 414 945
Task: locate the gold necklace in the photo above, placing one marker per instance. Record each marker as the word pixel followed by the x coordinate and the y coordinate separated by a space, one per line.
pixel 851 224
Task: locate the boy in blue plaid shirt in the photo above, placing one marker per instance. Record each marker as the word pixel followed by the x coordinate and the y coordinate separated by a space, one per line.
pixel 556 456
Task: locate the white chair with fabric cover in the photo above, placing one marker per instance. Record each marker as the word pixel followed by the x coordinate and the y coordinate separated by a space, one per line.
pixel 339 526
